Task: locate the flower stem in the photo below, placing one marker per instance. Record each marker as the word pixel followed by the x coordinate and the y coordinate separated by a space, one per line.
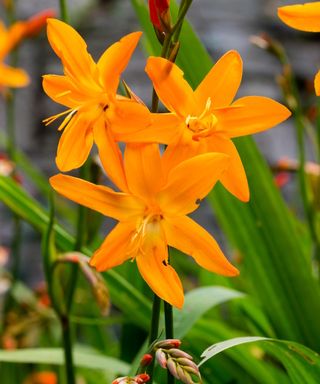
pixel 64 11
pixel 154 329
pixel 67 348
pixel 168 316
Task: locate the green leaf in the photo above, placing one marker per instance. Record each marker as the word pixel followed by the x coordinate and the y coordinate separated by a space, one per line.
pixel 301 363
pixel 197 303
pixel 82 358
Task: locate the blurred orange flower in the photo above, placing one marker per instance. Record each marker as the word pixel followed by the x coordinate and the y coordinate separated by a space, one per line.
pixel 304 17
pixel 88 89
pixel 10 38
pixel 207 119
pixel 44 377
pixel 152 215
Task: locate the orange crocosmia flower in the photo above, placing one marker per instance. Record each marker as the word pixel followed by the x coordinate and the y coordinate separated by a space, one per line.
pixel 95 113
pixel 152 215
pixel 9 76
pixel 304 17
pixel 207 119
pixel 10 38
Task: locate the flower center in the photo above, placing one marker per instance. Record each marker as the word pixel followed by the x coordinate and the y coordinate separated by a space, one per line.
pixel 203 125
pixel 147 230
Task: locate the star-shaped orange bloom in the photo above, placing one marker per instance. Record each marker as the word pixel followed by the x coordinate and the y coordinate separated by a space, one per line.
pixel 89 90
pixel 304 17
pixel 152 215
pixel 207 119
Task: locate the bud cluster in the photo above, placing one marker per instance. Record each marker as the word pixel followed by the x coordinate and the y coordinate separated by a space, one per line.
pixel 139 379
pixel 179 363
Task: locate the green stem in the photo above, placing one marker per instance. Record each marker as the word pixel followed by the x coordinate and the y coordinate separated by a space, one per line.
pixel 81 236
pixel 154 330
pixel 64 11
pixel 168 315
pixel 176 30
pixel 67 348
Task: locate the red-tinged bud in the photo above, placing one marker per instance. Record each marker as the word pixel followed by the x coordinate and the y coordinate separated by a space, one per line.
pixel 282 179
pixel 160 16
pixel 142 378
pixel 34 25
pixel 146 360
pixel 168 343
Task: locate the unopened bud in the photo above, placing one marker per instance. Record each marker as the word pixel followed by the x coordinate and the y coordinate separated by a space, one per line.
pixel 168 343
pixel 146 360
pixel 174 352
pixel 142 378
pixel 160 17
pixel 161 358
pixel 171 365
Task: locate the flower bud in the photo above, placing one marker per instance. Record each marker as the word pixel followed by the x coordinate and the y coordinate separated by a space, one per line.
pixel 160 17
pixel 146 360
pixel 161 358
pixel 168 343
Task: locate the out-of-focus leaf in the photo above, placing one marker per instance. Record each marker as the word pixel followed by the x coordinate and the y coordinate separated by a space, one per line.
pixel 197 303
pixel 82 358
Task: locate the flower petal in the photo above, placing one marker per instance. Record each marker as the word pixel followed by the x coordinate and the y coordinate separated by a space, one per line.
pixel 110 154
pixel 222 82
pixel 72 50
pixel 119 206
pixel 113 250
pixel 128 116
pixel 251 114
pixel 234 179
pixel 115 59
pixel 153 266
pixel 13 77
pixel 172 89
pixel 62 90
pixel 75 143
pixel 305 17
pixel 164 128
pixel 317 84
pixel 190 238
pixel 190 181
pixel 143 170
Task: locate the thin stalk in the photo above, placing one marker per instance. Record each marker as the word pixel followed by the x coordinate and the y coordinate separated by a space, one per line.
pixel 154 330
pixel 168 319
pixel 67 348
pixel 181 16
pixel 63 315
pixel 64 11
pixel 80 239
